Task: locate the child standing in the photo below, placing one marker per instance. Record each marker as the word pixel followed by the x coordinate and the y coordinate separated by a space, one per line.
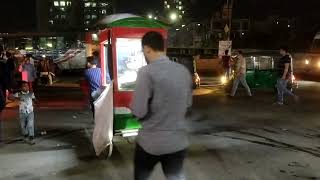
pixel 26 113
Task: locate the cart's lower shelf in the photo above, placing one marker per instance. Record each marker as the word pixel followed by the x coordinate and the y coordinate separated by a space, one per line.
pixel 126 124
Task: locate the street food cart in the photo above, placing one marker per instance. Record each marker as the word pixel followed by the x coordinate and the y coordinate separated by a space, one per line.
pixel 121 57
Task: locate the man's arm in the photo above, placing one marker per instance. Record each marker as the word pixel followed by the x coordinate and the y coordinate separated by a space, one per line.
pixel 34 72
pixel 190 96
pixel 242 66
pixel 34 99
pixel 286 69
pixel 238 66
pixel 13 97
pixel 21 67
pixel 142 95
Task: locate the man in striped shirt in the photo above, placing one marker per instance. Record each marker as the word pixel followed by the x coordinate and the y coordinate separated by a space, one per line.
pixel 93 76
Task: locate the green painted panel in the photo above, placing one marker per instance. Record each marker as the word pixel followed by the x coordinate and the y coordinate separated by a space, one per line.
pixel 125 122
pixel 138 22
pixel 263 79
pixel 250 78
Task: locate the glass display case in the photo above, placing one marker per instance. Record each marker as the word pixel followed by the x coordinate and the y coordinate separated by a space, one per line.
pixel 130 59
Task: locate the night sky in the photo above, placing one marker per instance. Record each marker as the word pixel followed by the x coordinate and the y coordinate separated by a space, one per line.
pixel 20 15
pixel 17 15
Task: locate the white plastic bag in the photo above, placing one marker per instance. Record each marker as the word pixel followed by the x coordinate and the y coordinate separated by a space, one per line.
pixel 103 130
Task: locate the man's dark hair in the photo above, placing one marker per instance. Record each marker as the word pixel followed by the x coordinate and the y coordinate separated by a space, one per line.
pixel 8 54
pixel 91 60
pixel 95 53
pixel 240 52
pixel 285 48
pixel 226 52
pixel 154 40
pixel 23 83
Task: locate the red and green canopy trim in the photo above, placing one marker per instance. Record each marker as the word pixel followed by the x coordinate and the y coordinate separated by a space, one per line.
pixel 135 22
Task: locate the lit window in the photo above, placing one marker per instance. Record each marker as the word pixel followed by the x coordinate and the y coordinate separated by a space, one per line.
pixel 168 6
pixel 182 12
pixel 94 16
pixel 68 3
pixel 87 4
pixel 87 22
pixel 180 2
pixel 94 4
pixel 51 21
pixel 63 16
pixel 165 2
pixel 180 7
pixel 62 9
pixel 56 3
pixel 104 11
pixel 88 16
pixel 103 4
pixel 62 3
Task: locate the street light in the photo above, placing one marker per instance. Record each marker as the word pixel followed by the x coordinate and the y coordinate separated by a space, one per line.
pixel 150 16
pixel 173 16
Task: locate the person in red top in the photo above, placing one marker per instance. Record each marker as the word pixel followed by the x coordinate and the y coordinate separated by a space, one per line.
pixel 226 63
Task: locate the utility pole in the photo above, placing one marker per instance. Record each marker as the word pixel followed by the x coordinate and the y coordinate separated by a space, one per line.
pixel 230 10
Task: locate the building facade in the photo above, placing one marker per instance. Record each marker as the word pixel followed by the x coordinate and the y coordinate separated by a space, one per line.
pixel 174 10
pixel 71 15
pixel 93 10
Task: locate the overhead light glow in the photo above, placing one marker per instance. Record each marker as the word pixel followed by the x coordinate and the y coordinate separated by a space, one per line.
pixel 307 62
pixel 173 16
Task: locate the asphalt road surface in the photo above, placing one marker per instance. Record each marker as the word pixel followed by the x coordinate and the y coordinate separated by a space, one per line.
pixel 237 138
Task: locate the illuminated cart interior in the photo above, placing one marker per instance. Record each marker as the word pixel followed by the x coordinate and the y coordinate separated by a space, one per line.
pixel 121 57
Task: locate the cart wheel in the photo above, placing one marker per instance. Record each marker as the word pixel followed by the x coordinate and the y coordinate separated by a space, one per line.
pixel 106 154
pixel 131 140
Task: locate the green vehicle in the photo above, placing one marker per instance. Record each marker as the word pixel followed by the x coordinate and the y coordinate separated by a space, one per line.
pixel 262 70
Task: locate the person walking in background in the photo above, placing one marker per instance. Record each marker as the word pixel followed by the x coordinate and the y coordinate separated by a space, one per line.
pixel 29 57
pixel 241 69
pixel 2 103
pixel 161 99
pixel 51 74
pixel 45 71
pixel 11 68
pixel 96 58
pixel 28 73
pixel 285 73
pixel 226 63
pixel 4 84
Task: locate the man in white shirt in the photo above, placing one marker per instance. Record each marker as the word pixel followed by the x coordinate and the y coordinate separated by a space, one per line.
pixel 241 70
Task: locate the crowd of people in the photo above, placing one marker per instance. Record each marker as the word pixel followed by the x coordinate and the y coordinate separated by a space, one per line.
pixel 18 78
pixel 15 69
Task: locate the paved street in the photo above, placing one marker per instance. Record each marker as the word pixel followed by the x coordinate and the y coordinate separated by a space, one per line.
pixel 233 139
